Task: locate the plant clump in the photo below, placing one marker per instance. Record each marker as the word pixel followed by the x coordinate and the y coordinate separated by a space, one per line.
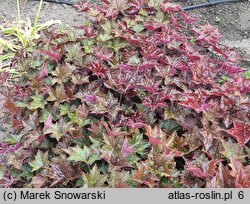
pixel 137 96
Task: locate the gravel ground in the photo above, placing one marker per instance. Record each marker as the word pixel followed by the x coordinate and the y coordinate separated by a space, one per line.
pixel 62 12
pixel 232 19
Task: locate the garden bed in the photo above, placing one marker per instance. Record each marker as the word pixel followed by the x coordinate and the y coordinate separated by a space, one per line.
pixel 140 95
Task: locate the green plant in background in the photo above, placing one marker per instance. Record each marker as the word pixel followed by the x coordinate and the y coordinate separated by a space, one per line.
pixel 8 49
pixel 20 35
pixel 7 45
pixel 24 31
pixel 247 74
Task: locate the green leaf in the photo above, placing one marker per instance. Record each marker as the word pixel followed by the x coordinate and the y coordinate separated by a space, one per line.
pixel 116 44
pixel 118 179
pixel 132 159
pixel 59 129
pixel 223 79
pixel 12 138
pixel 61 74
pixel 36 63
pixel 232 150
pixel 138 28
pixel 78 154
pixel 64 109
pixel 87 45
pixel 74 52
pixel 95 143
pixel 20 104
pixel 155 3
pixel 86 121
pixel 75 119
pixel 94 179
pixel 7 44
pixel 139 144
pixel 86 22
pixel 160 16
pixel 248 151
pixel 85 154
pixel 170 125
pixel 26 171
pixel 7 56
pixel 93 157
pixel 38 102
pixel 58 95
pixel 107 27
pixel 105 37
pixel 44 115
pixel 2 171
pixel 41 160
pixel 247 74
pixel 134 60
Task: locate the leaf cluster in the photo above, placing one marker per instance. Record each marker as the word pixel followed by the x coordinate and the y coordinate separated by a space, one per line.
pixel 131 98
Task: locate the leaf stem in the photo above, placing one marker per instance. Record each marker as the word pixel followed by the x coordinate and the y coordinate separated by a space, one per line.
pixel 18 11
pixel 38 12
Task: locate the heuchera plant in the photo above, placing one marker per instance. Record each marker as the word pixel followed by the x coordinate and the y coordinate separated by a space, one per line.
pixel 137 96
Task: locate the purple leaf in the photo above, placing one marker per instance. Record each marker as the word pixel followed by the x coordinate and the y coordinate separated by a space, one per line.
pixel 126 148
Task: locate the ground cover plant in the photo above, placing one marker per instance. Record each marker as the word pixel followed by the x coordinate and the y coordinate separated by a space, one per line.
pixel 136 96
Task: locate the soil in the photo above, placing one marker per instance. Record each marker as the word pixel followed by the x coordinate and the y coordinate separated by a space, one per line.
pixel 66 14
pixel 233 21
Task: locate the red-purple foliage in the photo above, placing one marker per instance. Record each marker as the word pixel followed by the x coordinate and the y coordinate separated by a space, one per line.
pixel 135 97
